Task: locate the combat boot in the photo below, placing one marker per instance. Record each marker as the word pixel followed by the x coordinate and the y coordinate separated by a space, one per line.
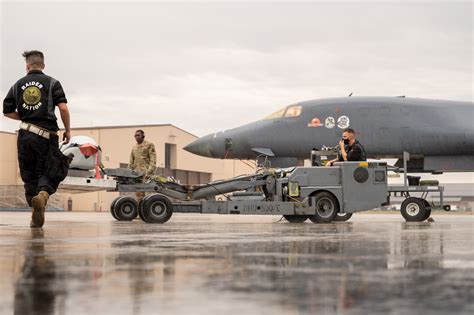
pixel 39 204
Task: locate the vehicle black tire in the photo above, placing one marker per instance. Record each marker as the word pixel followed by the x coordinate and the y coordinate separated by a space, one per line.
pixel 140 209
pixel 296 218
pixel 157 209
pixel 414 209
pixel 327 208
pixel 112 205
pixel 126 209
pixel 428 209
pixel 341 217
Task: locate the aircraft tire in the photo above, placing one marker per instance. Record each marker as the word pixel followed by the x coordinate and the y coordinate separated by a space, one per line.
pixel 112 205
pixel 156 209
pixel 342 217
pixel 296 218
pixel 327 208
pixel 414 209
pixel 125 208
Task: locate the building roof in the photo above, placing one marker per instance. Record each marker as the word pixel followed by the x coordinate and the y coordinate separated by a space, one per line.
pixel 133 126
pixel 8 132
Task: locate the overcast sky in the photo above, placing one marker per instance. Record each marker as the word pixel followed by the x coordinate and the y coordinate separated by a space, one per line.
pixel 210 66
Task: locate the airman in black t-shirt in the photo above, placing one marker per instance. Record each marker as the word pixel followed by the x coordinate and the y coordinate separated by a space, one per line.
pixel 33 100
pixel 349 148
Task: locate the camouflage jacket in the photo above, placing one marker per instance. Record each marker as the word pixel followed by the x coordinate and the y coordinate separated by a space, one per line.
pixel 143 158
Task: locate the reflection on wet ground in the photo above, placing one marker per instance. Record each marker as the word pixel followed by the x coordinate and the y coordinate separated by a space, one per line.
pixel 206 264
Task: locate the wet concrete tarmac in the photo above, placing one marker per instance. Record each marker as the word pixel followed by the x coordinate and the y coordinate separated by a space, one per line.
pixel 87 263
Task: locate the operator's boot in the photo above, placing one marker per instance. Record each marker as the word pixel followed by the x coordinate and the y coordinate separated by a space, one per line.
pixel 139 198
pixel 39 204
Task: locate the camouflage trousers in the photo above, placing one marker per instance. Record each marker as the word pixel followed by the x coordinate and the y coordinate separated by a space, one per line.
pixel 140 195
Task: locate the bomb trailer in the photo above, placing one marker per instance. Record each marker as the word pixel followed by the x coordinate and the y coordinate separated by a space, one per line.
pixel 320 194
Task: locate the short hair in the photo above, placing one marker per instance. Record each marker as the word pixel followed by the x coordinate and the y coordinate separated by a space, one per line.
pixel 34 58
pixel 349 130
pixel 140 131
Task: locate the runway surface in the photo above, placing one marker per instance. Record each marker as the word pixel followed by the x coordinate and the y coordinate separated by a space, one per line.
pixel 87 263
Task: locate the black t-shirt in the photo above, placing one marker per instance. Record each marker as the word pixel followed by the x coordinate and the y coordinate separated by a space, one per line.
pixel 35 98
pixel 354 153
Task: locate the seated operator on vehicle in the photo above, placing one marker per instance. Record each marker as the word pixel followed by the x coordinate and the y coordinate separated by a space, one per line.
pixel 349 148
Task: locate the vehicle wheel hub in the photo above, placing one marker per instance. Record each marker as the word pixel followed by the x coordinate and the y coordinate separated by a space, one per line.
pixel 413 209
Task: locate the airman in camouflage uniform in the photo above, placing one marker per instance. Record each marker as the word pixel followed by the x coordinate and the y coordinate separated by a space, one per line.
pixel 142 158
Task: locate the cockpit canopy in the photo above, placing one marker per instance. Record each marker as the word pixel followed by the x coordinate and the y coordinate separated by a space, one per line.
pixel 289 111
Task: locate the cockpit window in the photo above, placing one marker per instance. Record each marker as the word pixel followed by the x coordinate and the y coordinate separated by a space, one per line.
pixel 277 114
pixel 290 111
pixel 293 111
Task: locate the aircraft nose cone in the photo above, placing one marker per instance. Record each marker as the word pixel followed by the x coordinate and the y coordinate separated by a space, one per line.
pixel 201 146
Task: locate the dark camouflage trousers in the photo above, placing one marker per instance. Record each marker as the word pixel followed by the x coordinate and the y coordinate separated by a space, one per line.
pixel 33 154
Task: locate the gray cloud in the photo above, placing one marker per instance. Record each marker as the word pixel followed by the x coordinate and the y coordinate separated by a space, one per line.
pixel 211 66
